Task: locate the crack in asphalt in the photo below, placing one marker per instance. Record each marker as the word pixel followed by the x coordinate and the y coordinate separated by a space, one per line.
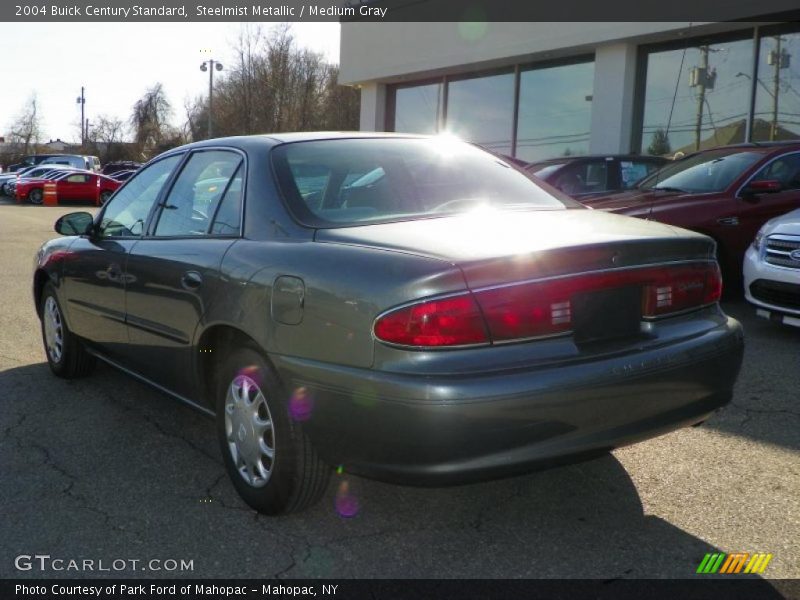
pixel 129 407
pixel 292 541
pixel 68 490
pixel 80 499
pixel 8 430
pixel 210 495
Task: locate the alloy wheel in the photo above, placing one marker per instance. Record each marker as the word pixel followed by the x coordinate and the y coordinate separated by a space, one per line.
pixel 53 330
pixel 249 431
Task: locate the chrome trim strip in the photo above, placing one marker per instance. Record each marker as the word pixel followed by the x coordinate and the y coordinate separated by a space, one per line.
pixel 596 271
pixel 784 237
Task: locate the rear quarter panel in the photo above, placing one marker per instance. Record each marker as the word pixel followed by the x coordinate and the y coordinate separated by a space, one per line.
pixel 346 287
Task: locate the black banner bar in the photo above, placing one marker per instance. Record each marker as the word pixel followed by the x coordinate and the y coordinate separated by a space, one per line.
pixel 701 588
pixel 87 11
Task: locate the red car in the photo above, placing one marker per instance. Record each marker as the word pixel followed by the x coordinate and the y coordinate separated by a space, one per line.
pixel 70 186
pixel 727 193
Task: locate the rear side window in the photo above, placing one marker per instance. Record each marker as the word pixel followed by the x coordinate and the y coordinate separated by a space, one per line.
pixel 785 169
pixel 77 178
pixel 583 177
pixel 192 202
pixel 228 218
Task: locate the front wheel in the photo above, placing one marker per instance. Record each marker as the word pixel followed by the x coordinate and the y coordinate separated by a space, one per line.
pixel 36 196
pixel 270 461
pixel 104 196
pixel 65 353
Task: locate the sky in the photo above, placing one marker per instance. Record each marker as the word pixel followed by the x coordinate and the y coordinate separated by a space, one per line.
pixel 116 63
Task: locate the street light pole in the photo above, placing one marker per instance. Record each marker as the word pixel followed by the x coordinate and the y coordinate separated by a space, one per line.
pixel 210 65
pixel 82 101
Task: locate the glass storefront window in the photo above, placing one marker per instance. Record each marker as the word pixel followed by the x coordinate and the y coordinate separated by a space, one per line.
pixel 712 101
pixel 777 109
pixel 417 108
pixel 481 110
pixel 555 111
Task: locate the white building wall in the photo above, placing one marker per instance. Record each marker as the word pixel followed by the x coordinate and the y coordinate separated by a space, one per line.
pixel 376 54
pixel 373 107
pixel 612 99
pixel 392 52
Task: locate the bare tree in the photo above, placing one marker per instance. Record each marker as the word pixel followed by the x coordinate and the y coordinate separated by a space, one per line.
pixel 275 86
pixel 150 120
pixel 106 137
pixel 26 129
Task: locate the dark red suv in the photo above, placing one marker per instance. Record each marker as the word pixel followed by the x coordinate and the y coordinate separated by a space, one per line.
pixel 727 193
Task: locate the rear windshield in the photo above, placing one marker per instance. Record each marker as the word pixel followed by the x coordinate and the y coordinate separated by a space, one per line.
pixel 330 183
pixel 711 171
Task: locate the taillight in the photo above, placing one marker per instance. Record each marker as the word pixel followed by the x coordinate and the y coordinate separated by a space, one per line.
pixel 528 310
pixel 452 321
pixel 544 308
pixel 679 288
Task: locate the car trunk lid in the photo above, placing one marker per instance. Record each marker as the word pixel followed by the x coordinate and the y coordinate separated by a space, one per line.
pixel 496 247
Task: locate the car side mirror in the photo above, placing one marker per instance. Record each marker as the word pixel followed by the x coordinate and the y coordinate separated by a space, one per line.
pixel 763 186
pixel 76 223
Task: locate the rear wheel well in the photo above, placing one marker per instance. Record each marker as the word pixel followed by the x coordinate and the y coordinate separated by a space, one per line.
pixel 214 346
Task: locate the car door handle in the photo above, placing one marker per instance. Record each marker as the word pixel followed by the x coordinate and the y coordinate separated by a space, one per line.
pixel 728 221
pixel 191 280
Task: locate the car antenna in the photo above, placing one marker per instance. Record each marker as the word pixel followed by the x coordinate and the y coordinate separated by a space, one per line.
pixel 672 108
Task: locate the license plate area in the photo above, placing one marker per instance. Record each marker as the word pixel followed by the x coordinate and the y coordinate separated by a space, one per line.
pixel 605 315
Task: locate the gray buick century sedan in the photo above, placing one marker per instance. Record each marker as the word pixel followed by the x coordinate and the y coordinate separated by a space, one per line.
pixel 412 309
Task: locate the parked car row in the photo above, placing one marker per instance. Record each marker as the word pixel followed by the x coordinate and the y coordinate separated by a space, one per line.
pixel 71 182
pixel 727 193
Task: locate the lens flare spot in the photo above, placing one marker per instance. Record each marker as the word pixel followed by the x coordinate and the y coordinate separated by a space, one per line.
pixel 346 503
pixel 251 372
pixel 301 405
pixel 365 397
pixel 473 25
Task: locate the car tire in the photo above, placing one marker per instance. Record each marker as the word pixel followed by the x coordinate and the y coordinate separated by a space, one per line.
pixel 104 196
pixel 65 353
pixel 248 396
pixel 36 196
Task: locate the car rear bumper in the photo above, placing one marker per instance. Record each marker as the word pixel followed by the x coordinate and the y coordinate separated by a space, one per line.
pixel 430 430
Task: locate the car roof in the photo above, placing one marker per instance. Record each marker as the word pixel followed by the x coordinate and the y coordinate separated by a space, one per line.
pixel 273 139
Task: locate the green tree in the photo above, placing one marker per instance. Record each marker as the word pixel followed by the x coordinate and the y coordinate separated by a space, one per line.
pixel 659 145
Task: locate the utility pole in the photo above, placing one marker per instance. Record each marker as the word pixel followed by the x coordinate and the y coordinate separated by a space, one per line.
pixel 702 78
pixel 82 101
pixel 778 59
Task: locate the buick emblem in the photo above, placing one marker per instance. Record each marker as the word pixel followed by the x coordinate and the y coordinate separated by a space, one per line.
pixel 795 255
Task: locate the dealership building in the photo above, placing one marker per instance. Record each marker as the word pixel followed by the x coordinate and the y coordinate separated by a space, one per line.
pixel 541 90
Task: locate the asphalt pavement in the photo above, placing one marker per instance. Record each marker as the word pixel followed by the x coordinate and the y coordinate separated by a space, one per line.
pixel 107 469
